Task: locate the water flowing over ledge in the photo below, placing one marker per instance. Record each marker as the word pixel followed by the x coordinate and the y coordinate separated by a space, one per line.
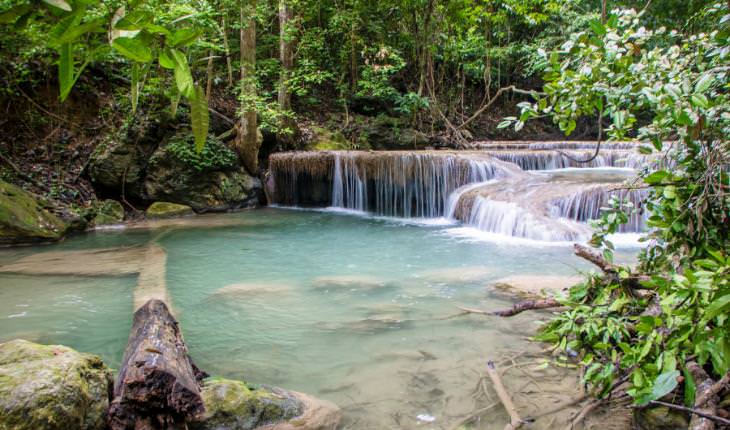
pixel 523 190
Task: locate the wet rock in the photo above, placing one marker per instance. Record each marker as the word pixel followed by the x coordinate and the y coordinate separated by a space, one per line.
pixel 234 405
pixel 210 180
pixel 323 139
pixel 120 261
pixel 385 132
pixel 51 387
pixel 109 212
pixel 24 220
pixel 660 418
pixel 348 282
pixel 248 290
pixel 167 210
pixel 535 284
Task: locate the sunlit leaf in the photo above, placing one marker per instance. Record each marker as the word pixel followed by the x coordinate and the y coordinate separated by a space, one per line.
pixel 133 48
pixel 61 4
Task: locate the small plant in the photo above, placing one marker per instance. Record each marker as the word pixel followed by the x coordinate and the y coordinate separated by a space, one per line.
pixel 213 156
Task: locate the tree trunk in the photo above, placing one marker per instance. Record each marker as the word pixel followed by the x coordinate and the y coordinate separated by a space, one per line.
pixel 227 48
pixel 247 140
pixel 705 401
pixel 286 56
pixel 158 385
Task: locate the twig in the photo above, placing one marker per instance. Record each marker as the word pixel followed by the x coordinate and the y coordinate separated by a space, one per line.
pixel 22 174
pixel 527 305
pixel 504 397
pixel 471 416
pixel 587 409
pixel 723 421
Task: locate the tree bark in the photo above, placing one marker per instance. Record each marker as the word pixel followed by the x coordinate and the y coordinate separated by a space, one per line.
pixel 227 48
pixel 247 140
pixel 158 386
pixel 286 56
pixel 527 305
pixel 708 404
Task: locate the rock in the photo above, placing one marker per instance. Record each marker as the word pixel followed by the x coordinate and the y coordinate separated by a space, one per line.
pixel 535 284
pixel 23 220
pixel 109 212
pixel 660 418
pixel 385 132
pixel 211 180
pixel 118 165
pixel 326 140
pixel 51 387
pixel 234 405
pixel 167 210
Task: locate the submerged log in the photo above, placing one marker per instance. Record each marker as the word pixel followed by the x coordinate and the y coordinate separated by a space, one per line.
pixel 158 386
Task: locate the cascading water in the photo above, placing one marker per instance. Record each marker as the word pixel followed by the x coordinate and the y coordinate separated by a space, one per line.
pixel 398 184
pixel 482 189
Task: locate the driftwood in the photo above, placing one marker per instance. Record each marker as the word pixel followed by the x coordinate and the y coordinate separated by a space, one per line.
pixel 504 397
pixel 527 305
pixel 158 386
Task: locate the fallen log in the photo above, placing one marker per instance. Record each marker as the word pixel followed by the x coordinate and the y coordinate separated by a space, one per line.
pixel 587 254
pixel 158 386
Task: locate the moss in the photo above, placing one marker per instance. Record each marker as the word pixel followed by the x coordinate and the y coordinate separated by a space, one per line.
pixel 23 220
pixel 234 405
pixel 51 387
pixel 326 140
pixel 167 210
pixel 109 212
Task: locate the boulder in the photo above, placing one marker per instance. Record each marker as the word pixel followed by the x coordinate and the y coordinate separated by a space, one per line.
pixel 323 139
pixel 235 405
pixel 108 212
pixel 385 132
pixel 210 180
pixel 44 387
pixel 118 165
pixel 660 418
pixel 24 220
pixel 167 210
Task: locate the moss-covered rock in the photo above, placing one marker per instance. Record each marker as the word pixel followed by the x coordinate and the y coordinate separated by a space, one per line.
pixel 234 405
pixel 167 210
pixel 660 418
pixel 23 220
pixel 109 212
pixel 326 140
pixel 44 387
pixel 208 181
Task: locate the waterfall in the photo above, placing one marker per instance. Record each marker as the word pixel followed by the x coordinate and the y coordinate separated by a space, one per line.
pixel 549 160
pixel 398 184
pixel 518 191
pixel 587 204
pixel 510 219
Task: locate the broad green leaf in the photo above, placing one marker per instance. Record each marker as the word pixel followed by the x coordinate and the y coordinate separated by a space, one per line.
pixel 134 49
pixel 65 70
pixel 699 100
pixel 61 4
pixel 664 384
pixel 134 21
pixel 183 76
pixel 167 60
pixel 597 27
pixel 74 32
pixel 199 117
pixel 716 307
pixel 65 25
pixel 183 37
pixel 704 83
pixel 656 177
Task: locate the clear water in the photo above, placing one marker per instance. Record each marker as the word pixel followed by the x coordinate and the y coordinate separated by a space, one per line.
pixel 352 309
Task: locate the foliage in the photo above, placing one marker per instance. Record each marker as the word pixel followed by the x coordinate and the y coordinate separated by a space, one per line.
pixel 214 155
pixel 667 90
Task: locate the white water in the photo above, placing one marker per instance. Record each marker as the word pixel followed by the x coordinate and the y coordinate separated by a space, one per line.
pixel 474 188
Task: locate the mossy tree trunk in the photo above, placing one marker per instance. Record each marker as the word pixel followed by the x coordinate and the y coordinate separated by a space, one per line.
pixel 286 56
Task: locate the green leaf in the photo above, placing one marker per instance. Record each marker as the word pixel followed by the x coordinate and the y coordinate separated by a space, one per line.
pixel 704 83
pixel 167 60
pixel 11 15
pixel 656 177
pixel 199 117
pixel 504 124
pixel 597 27
pixel 664 384
pixel 76 31
pixel 133 48
pixel 699 100
pixel 183 76
pixel 61 4
pixel 690 389
pixel 183 37
pixel 65 70
pixel 134 21
pixel 717 307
